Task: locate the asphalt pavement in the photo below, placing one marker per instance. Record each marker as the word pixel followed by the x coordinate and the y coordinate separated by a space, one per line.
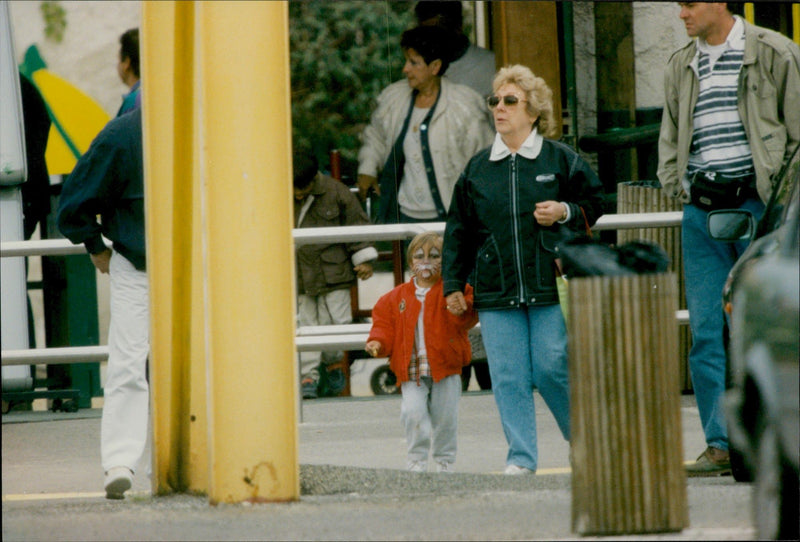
pixel 351 455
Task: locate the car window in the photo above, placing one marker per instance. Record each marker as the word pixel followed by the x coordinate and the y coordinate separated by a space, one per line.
pixel 782 197
pixel 791 245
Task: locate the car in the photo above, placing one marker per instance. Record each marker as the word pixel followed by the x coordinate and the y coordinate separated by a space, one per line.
pixel 761 299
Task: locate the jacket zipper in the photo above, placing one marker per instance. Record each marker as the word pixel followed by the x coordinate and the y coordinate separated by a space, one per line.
pixel 515 229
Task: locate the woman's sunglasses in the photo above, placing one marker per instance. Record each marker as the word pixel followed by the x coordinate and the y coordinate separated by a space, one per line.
pixel 508 100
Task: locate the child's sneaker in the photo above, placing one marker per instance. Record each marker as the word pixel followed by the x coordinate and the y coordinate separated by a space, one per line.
pixel 417 466
pixel 444 466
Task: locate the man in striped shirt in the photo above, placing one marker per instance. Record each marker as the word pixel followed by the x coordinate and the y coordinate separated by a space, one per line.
pixel 731 119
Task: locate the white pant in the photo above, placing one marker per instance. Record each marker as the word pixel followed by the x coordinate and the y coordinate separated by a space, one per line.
pixel 429 413
pixel 328 309
pixel 123 431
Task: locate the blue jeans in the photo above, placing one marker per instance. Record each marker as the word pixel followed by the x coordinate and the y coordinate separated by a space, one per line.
pixel 527 347
pixel 706 265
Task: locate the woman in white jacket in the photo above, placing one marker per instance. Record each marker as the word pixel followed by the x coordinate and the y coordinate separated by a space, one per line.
pixel 421 135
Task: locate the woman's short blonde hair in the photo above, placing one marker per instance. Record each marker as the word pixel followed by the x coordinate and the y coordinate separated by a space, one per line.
pixel 538 94
pixel 422 240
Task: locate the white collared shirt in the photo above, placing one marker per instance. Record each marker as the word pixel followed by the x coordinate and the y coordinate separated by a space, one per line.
pixel 529 149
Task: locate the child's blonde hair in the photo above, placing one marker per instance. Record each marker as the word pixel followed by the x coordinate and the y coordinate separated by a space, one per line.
pixel 421 240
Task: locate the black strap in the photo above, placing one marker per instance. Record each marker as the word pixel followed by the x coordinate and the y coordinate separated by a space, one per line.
pixel 392 172
pixel 428 160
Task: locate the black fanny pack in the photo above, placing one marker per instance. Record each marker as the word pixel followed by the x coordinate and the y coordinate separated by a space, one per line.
pixel 711 191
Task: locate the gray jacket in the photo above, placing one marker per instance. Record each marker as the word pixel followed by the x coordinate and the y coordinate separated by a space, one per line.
pixel 769 106
pixel 460 127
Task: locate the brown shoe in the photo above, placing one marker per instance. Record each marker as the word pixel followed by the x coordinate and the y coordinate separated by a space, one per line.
pixel 712 462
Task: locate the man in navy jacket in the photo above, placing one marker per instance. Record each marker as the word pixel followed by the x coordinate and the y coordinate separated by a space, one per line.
pixel 108 182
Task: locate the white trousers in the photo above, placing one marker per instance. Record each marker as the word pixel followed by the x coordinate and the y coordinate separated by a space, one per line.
pixel 123 431
pixel 429 413
pixel 328 309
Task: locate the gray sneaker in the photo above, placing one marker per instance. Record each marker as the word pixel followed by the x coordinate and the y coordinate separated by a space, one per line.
pixel 118 481
pixel 309 388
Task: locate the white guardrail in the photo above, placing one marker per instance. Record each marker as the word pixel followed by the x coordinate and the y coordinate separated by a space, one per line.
pixel 311 338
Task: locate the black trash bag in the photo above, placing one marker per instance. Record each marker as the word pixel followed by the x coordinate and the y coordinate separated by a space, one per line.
pixel 643 257
pixel 586 257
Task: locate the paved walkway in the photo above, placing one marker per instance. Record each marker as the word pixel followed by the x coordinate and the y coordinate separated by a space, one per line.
pixel 351 454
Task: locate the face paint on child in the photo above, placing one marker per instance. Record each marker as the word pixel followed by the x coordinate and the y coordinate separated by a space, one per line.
pixel 427 264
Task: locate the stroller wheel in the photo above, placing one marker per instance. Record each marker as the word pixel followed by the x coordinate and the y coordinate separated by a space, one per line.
pixel 383 381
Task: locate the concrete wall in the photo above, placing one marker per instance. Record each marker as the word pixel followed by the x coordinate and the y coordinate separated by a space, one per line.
pixel 88 55
pixel 658 32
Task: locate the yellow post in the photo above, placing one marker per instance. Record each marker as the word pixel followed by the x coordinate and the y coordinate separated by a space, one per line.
pixel 796 23
pixel 750 12
pixel 158 19
pixel 248 251
pixel 177 365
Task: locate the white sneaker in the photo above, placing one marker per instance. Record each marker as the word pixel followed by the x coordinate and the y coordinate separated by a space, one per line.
pixel 118 481
pixel 417 466
pixel 444 466
pixel 514 470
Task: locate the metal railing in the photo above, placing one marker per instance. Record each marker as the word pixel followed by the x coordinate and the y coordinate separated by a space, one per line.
pixel 312 338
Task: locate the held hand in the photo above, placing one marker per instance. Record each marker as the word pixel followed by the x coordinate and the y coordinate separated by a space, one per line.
pixel 548 213
pixel 373 348
pixel 456 303
pixel 365 182
pixel 101 260
pixel 363 270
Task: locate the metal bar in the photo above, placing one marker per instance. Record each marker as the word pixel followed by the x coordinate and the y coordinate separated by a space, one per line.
pixel 339 234
pixel 42 247
pixel 308 339
pixel 622 138
pixel 353 341
pixel 343 329
pixel 55 356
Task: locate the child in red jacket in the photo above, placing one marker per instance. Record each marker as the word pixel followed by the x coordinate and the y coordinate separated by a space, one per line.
pixel 427 345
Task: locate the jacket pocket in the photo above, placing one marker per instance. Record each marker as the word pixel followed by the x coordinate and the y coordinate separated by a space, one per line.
pixel 489 277
pixel 326 215
pixel 549 240
pixel 335 265
pixel 546 254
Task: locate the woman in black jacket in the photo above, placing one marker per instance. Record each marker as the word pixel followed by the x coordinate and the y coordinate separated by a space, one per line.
pixel 511 205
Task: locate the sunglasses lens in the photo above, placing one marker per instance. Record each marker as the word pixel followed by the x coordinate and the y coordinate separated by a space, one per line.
pixel 508 100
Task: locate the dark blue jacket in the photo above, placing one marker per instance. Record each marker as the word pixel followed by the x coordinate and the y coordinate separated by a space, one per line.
pixel 492 239
pixel 108 181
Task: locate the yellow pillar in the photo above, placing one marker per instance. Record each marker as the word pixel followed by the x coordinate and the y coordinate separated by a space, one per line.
pixel 245 127
pixel 176 362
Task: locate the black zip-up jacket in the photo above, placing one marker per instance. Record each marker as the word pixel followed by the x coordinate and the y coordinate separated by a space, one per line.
pixel 108 181
pixel 492 239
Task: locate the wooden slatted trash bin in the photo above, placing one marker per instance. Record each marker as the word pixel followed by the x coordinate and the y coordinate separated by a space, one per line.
pixel 627 467
pixel 648 197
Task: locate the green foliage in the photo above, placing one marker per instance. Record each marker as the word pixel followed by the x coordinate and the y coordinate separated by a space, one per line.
pixel 343 54
pixel 55 20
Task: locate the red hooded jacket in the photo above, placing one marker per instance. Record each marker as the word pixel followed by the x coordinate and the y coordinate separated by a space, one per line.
pixel 394 320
